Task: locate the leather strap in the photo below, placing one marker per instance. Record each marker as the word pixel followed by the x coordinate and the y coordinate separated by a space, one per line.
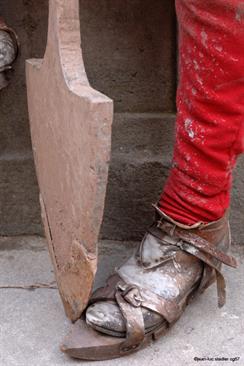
pixel 131 299
pixel 135 329
pixel 106 293
pixel 198 242
pixel 211 262
pixel 139 296
pixel 200 248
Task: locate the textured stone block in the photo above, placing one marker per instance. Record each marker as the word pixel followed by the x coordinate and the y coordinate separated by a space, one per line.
pixel 29 20
pixel 142 151
pixel 19 206
pixel 130 52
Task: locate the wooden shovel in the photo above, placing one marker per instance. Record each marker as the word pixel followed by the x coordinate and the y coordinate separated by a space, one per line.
pixel 71 136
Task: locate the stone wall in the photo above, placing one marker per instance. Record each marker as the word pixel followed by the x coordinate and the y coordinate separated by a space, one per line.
pixel 130 55
pixel 19 206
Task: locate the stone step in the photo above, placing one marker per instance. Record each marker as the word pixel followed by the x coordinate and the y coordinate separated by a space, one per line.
pixel 142 145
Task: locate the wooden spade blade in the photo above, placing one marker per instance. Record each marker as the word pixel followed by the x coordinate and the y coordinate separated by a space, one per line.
pixel 71 136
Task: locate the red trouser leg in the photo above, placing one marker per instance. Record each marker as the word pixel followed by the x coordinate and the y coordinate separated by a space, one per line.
pixel 210 103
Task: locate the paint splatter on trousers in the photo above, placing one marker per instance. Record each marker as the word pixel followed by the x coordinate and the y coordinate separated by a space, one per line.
pixel 210 110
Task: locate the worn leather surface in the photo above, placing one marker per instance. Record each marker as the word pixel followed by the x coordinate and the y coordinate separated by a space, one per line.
pixel 170 263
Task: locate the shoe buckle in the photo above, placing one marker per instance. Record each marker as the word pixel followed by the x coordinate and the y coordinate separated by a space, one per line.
pixel 130 293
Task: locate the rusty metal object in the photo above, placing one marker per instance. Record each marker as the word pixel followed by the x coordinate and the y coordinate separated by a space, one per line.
pixel 71 136
pixel 9 49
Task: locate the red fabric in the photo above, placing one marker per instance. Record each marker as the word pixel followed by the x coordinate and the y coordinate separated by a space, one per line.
pixel 210 103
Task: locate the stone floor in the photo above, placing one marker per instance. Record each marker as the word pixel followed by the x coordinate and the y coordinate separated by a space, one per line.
pixel 33 322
